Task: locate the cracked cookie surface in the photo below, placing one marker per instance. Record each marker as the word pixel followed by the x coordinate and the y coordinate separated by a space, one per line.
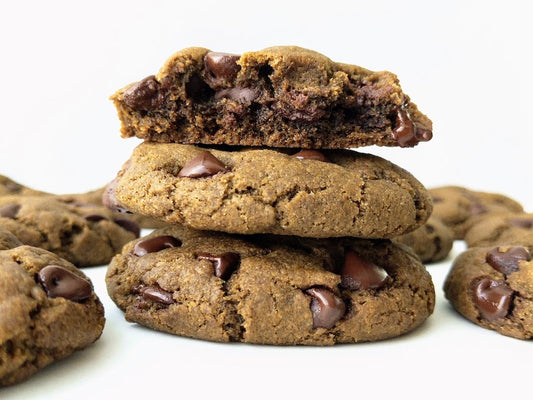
pixel 270 289
pixel 493 288
pixel 502 228
pixel 84 234
pixel 48 310
pixel 307 193
pixel 283 96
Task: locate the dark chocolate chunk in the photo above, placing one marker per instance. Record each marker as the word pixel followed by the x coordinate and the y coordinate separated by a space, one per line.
pixel 359 274
pixel 240 94
pixel 507 261
pixel 476 208
pixel 129 225
pixel 197 90
pixel 155 244
pixel 222 66
pixel 224 264
pixel 9 210
pixel 204 164
pixel 326 307
pixel 144 95
pixel 109 198
pixel 60 282
pixel 155 293
pixel 492 298
pixel 407 133
pixel 94 217
pixel 526 223
pixel 311 155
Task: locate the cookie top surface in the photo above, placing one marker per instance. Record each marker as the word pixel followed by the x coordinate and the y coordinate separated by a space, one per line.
pixel 431 242
pixel 328 194
pixel 8 240
pixel 10 187
pixel 493 287
pixel 270 289
pixel 84 234
pixel 282 96
pixel 459 207
pixel 48 310
pixel 501 228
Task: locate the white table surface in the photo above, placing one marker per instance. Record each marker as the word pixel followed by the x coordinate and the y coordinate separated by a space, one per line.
pixel 467 64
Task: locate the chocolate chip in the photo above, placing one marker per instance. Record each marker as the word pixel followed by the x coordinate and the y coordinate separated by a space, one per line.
pixel 144 95
pixel 155 244
pixel 222 66
pixel 129 225
pixel 224 264
pixel 360 274
pixel 109 198
pixel 406 133
pixel 240 94
pixel 526 223
pixel 155 293
pixel 197 90
pixel 202 165
pixel 437 199
pixel 507 261
pixel 60 282
pixel 311 155
pixel 94 217
pixel 492 298
pixel 476 208
pixel 9 210
pixel 326 307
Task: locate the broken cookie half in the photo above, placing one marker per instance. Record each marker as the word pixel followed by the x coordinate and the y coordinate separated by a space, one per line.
pixel 283 96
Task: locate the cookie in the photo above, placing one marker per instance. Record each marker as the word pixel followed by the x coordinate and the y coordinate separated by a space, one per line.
pixel 493 288
pixel 85 235
pixel 431 242
pixel 270 289
pixel 459 207
pixel 510 228
pixel 305 193
pixel 282 96
pixel 48 310
pixel 9 187
pixel 8 240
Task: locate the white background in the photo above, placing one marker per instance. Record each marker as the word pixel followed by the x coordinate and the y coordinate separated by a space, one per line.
pixel 467 64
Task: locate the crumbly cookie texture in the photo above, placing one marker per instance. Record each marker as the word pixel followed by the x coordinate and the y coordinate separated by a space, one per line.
pixel 282 96
pixel 48 310
pixel 270 289
pixel 431 242
pixel 506 228
pixel 83 234
pixel 459 208
pixel 249 191
pixel 493 288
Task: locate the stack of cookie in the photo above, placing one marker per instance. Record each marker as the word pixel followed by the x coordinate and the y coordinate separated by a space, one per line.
pixel 277 234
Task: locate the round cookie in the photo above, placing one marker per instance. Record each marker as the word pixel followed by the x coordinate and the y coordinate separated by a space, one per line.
pixel 270 289
pixel 509 228
pixel 459 207
pixel 431 242
pixel 311 194
pixel 48 310
pixel 493 288
pixel 85 235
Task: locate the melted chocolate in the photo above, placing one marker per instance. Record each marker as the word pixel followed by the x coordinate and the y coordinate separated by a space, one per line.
pixel 203 165
pixel 60 282
pixel 326 307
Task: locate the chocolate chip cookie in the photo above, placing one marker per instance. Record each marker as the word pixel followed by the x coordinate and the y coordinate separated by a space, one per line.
pixel 270 289
pixel 431 242
pixel 493 288
pixel 282 96
pixel 510 228
pixel 459 207
pixel 303 193
pixel 48 310
pixel 85 235
pixel 8 240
